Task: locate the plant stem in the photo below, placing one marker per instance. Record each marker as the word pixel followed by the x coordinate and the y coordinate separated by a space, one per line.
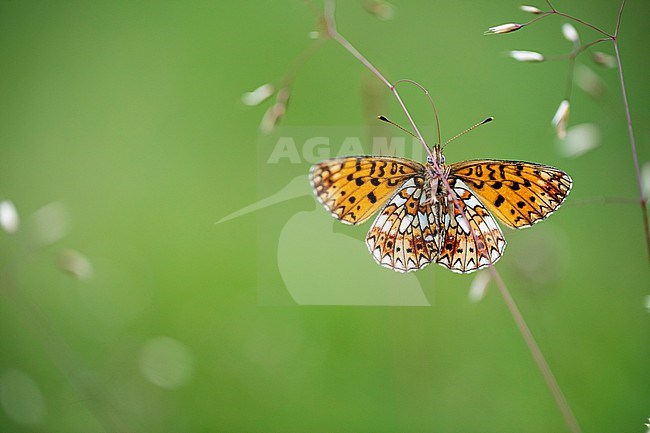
pixel 543 366
pixel 569 81
pixel 298 63
pixel 643 199
pixel 578 20
pixel 618 18
pixel 334 34
pixel 603 200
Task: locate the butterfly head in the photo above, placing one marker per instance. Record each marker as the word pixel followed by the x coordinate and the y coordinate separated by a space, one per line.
pixel 436 157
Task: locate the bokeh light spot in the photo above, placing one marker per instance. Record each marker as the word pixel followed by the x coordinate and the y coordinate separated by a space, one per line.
pixel 166 362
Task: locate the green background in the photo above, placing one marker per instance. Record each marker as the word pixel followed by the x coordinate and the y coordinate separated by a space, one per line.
pixel 129 115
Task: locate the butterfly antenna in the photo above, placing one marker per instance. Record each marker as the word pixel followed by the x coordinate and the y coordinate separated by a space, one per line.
pixel 387 120
pixel 426 92
pixel 489 119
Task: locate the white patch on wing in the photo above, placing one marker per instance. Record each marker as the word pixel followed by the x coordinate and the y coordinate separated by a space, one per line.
pixel 398 201
pixel 496 254
pixel 381 219
pixel 406 222
pixel 462 222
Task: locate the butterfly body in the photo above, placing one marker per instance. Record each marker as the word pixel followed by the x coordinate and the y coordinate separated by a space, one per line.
pixel 435 212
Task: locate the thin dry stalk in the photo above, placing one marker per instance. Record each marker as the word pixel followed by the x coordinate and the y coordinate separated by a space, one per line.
pixel 536 352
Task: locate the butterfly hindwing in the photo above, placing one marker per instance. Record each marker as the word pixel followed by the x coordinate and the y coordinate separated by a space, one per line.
pixel 353 188
pixel 472 239
pixel 518 193
pixel 404 235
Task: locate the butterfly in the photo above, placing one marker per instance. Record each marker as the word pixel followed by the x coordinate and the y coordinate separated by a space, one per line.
pixel 435 212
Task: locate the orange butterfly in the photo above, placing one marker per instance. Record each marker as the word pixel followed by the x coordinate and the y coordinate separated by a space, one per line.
pixel 439 215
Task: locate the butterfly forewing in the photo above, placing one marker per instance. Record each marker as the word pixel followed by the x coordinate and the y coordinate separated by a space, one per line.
pixel 518 193
pixel 472 239
pixel 354 188
pixel 420 223
pixel 404 234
